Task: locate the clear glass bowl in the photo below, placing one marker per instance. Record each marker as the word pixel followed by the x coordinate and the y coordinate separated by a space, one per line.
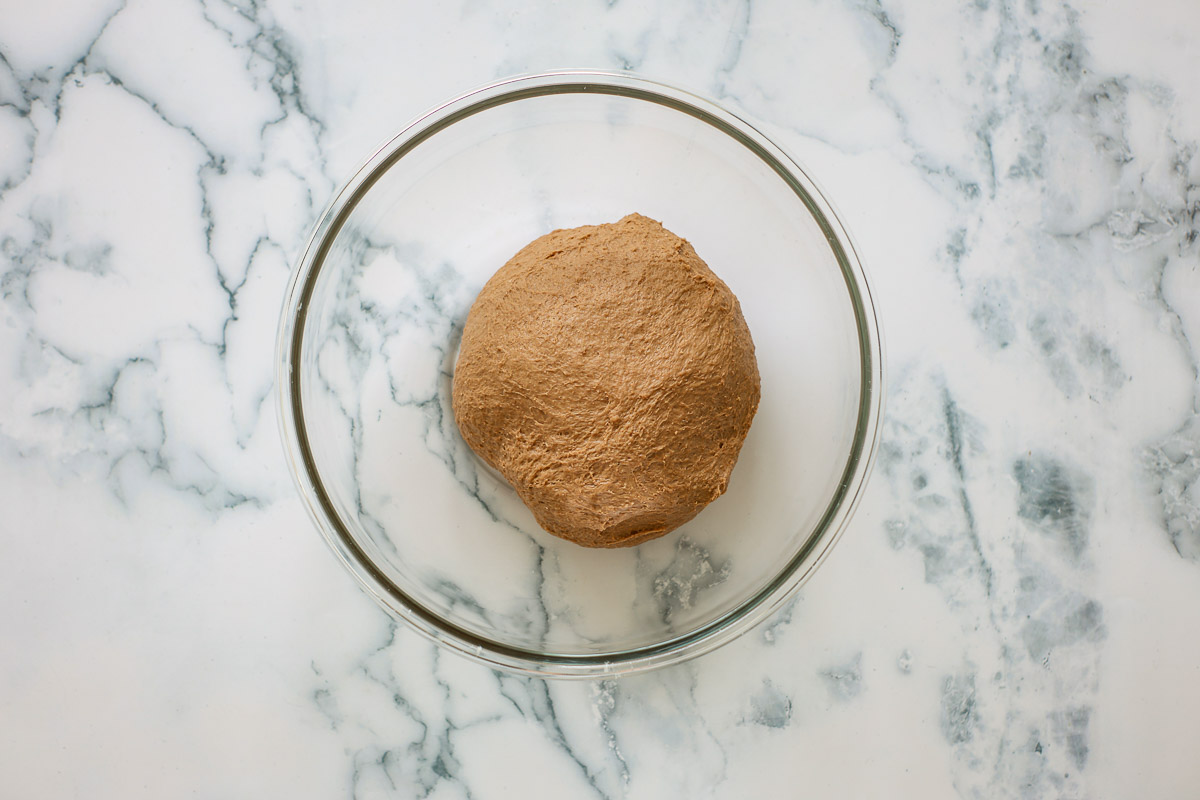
pixel 367 347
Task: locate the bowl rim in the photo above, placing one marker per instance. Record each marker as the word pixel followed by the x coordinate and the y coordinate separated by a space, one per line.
pixel 776 591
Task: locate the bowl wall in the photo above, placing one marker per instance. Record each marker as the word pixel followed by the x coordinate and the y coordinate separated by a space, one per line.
pixel 379 305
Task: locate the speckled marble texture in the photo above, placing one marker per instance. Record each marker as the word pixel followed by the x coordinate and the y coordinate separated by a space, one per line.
pixel 1011 614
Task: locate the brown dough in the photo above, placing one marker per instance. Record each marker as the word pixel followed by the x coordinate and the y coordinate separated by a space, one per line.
pixel 609 375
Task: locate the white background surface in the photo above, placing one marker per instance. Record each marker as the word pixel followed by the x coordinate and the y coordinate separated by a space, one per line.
pixel 1011 614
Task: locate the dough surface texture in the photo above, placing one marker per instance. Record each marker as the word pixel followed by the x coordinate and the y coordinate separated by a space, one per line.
pixel 610 377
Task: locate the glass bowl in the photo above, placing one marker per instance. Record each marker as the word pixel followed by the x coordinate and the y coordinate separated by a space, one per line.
pixel 367 346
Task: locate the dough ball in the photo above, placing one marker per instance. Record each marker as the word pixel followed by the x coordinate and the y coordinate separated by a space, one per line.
pixel 609 376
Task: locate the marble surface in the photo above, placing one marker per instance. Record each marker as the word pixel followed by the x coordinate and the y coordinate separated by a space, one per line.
pixel 1012 612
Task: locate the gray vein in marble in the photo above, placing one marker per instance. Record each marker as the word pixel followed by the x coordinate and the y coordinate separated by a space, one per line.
pixel 679 685
pixel 1035 78
pixel 416 766
pixel 1173 463
pixel 1070 726
pixel 880 15
pixel 604 703
pixel 770 707
pixel 99 408
pixel 1056 500
pixel 21 106
pixel 533 701
pixel 734 41
pixel 779 621
pixel 1028 591
pixel 419 763
pixel 954 441
pixel 630 58
pixel 845 681
pixel 269 42
pixel 692 570
pixel 47 88
pixel 958 717
pixel 46 79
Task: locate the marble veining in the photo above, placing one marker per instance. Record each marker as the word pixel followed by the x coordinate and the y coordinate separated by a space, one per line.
pixel 1011 613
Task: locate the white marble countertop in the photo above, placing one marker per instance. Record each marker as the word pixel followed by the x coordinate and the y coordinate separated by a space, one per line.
pixel 1012 612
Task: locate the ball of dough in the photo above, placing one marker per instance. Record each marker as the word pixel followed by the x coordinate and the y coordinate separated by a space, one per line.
pixel 609 376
